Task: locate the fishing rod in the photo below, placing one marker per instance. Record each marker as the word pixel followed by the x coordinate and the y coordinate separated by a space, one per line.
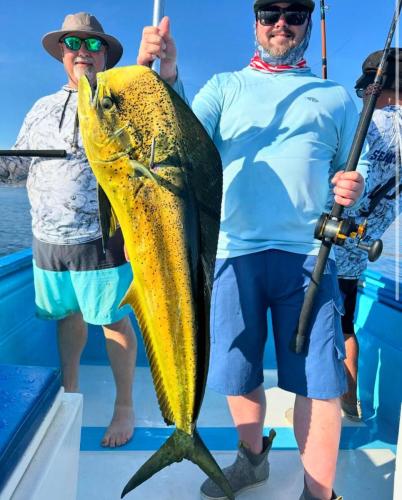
pixel 331 228
pixel 159 12
pixel 378 194
pixel 381 192
pixel 323 8
pixel 41 153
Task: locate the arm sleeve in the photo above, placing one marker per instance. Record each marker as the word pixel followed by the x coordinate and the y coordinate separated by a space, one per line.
pixel 15 168
pixel 207 105
pixel 178 87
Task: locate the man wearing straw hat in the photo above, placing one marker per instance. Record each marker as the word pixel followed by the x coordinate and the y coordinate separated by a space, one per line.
pixel 283 135
pixel 77 281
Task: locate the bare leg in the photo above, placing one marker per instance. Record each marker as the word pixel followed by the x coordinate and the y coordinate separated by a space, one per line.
pixel 317 425
pixel 351 366
pixel 248 413
pixel 121 345
pixel 72 337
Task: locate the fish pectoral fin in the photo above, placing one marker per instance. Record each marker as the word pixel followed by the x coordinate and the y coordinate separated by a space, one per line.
pixel 181 445
pixel 140 169
pixel 130 297
pixel 107 217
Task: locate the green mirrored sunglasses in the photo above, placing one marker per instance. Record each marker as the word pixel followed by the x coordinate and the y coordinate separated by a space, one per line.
pixel 91 44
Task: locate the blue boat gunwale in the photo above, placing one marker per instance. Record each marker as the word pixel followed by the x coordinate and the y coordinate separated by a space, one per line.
pixel 373 284
pixel 15 262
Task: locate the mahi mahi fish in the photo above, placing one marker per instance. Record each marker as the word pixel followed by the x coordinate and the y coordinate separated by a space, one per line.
pixel 160 178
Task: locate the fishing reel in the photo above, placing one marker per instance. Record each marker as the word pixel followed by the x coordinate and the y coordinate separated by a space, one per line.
pixel 337 230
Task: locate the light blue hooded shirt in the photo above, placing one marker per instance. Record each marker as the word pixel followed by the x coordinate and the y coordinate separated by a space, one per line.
pixel 281 137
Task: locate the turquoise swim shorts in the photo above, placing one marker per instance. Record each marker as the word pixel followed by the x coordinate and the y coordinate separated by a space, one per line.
pixel 80 278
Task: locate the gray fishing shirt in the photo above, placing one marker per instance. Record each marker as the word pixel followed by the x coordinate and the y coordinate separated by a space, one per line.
pixel 62 192
pixel 385 140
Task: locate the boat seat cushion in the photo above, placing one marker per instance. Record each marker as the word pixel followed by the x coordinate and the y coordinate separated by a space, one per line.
pixel 26 394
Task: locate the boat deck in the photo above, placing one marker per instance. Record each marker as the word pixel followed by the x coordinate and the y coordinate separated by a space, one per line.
pixel 366 468
pixel 366 462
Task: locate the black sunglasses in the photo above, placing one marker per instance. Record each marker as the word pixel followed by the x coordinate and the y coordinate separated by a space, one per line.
pixel 292 16
pixel 91 44
pixel 360 93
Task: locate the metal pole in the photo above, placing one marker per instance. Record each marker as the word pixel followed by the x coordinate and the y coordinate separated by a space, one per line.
pixel 323 40
pixel 159 12
pixel 300 338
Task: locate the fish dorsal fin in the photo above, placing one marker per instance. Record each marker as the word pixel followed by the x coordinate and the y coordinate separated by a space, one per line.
pixel 107 217
pixel 131 298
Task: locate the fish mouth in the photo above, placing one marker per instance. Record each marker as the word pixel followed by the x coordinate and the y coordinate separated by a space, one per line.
pixel 94 91
pixel 87 91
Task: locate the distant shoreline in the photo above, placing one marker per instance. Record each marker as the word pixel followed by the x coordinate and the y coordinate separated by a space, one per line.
pixel 20 184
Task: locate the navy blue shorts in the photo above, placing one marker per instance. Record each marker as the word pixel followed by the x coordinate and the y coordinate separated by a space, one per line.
pixel 244 289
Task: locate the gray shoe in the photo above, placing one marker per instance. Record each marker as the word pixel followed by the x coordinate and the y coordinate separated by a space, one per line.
pixel 248 471
pixel 306 495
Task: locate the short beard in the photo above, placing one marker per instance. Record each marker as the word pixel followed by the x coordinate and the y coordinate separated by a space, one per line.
pixel 280 51
pixel 88 71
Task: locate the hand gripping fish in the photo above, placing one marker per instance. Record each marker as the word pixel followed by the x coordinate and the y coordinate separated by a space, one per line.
pixel 160 177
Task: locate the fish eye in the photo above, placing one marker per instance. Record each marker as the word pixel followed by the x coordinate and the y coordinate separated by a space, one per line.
pixel 107 103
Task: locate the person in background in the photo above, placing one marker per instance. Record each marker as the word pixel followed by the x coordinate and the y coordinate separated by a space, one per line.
pixel 283 135
pixel 77 281
pixel 380 206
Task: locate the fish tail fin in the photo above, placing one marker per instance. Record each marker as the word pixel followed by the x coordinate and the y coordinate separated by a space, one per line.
pixel 201 456
pixel 181 445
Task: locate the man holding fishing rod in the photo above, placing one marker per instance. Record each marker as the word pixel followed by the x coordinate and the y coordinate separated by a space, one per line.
pixel 284 135
pixel 77 281
pixel 381 205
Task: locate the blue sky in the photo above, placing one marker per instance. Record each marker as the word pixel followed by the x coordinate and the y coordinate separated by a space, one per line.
pixel 211 35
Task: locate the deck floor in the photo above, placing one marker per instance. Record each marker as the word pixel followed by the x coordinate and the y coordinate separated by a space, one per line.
pixel 365 467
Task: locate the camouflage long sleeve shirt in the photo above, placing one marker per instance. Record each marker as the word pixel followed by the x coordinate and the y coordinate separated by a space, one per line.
pixel 62 192
pixel 385 140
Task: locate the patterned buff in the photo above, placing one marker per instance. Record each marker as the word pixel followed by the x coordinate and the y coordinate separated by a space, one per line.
pixel 293 60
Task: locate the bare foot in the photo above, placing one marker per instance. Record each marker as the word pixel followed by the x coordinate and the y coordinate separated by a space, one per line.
pixel 121 428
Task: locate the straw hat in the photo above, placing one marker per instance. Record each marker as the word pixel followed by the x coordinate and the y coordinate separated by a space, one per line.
pixel 80 24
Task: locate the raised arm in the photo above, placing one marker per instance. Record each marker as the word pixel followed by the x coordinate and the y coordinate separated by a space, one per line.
pixel 157 42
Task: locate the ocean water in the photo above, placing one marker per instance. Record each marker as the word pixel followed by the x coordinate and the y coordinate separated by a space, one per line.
pixel 15 220
pixel 15 232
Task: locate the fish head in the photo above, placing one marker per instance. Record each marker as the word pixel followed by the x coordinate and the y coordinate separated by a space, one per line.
pixel 125 116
